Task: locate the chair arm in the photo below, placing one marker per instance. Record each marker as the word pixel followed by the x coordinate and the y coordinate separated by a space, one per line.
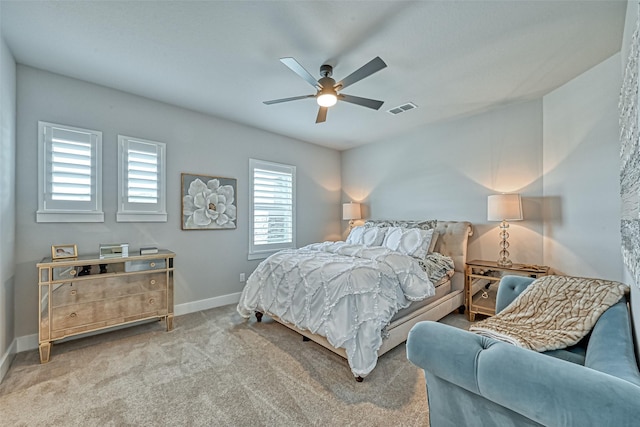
pixel 547 390
pixel 448 352
pixel 510 287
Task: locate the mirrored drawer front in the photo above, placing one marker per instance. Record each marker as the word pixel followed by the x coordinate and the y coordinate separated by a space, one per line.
pixel 81 291
pixel 65 273
pixel 150 264
pixel 70 316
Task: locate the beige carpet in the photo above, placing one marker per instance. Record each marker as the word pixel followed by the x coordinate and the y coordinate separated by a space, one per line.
pixel 213 369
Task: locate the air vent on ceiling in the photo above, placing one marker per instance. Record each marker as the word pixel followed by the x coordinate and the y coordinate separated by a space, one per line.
pixel 402 108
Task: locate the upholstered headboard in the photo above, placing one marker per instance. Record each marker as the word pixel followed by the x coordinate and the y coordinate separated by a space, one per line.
pixel 453 237
pixel 452 241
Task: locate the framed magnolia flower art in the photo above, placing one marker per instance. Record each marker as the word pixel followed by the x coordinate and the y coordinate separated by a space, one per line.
pixel 208 202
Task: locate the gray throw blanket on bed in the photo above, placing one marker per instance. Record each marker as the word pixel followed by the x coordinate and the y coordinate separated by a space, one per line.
pixel 553 312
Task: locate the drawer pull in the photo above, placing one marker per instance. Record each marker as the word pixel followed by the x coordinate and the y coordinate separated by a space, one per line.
pixel 151 300
pixel 153 281
pixel 72 315
pixel 72 273
pixel 152 264
pixel 73 292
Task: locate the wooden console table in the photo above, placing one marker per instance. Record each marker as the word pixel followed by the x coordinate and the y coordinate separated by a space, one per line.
pixel 90 293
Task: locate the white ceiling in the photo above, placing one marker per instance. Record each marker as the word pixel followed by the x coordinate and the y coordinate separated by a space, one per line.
pixel 451 58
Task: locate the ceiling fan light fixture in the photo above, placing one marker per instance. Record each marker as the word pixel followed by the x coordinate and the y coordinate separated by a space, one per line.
pixel 327 89
pixel 327 99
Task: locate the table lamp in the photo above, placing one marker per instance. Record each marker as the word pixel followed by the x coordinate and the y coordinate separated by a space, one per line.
pixel 351 211
pixel 504 207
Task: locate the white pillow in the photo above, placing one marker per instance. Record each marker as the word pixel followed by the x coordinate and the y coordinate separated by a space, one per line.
pixel 409 241
pixel 360 235
pixel 355 235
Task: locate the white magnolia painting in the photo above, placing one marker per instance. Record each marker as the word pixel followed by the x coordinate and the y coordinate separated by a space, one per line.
pixel 208 202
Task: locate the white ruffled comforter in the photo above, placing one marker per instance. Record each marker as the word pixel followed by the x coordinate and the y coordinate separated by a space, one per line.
pixel 346 293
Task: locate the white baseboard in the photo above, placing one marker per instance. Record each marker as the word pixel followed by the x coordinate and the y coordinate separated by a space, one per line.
pixel 30 342
pixel 27 342
pixel 6 360
pixel 205 304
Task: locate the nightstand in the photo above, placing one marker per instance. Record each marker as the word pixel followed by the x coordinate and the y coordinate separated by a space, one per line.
pixel 481 281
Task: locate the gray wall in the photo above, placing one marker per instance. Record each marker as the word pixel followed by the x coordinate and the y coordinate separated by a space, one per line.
pixel 582 178
pixel 561 153
pixel 447 170
pixel 7 203
pixel 208 262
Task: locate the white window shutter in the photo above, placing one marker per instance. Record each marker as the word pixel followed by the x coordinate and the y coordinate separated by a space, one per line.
pixel 142 180
pixel 272 208
pixel 70 174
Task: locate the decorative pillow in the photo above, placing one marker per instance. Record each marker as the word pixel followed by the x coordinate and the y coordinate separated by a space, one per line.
pixel 355 235
pixel 366 236
pixel 414 242
pixel 437 266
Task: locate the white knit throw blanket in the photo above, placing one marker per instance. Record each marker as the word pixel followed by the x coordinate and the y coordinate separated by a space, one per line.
pixel 553 312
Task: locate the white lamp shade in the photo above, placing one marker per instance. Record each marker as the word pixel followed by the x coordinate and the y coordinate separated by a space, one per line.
pixel 351 211
pixel 504 207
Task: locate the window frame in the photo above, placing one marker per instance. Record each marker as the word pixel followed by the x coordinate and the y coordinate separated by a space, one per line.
pixel 263 251
pixel 68 211
pixel 141 212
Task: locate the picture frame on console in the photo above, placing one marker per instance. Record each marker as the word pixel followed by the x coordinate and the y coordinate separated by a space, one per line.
pixel 64 251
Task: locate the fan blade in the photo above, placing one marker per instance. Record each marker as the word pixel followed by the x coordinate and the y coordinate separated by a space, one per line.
pixel 277 101
pixel 365 102
pixel 322 114
pixel 299 70
pixel 373 66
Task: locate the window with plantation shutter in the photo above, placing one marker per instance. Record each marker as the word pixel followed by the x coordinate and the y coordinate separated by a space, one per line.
pixel 141 180
pixel 69 174
pixel 272 208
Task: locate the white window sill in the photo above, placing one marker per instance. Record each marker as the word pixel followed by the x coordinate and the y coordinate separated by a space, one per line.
pixel 69 216
pixel 141 217
pixel 262 255
pixel 266 253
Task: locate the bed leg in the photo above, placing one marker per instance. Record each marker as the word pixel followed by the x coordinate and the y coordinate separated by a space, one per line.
pixel 359 379
pixel 305 338
pixel 258 317
pixel 461 309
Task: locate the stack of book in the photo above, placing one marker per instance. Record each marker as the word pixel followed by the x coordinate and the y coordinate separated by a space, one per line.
pixel 148 251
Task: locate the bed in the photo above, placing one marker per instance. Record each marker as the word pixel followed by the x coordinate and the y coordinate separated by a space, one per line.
pixel 360 298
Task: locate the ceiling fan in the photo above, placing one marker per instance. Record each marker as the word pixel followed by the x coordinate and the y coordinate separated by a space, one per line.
pixel 327 89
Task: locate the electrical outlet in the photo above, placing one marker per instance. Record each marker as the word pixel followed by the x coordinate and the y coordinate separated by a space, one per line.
pixel 241 277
